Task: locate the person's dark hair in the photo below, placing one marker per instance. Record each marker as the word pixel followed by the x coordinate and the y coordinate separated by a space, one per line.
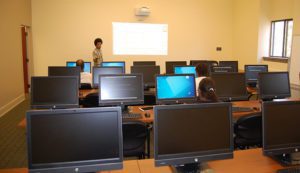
pixel 207 90
pixel 97 40
pixel 202 69
pixel 80 63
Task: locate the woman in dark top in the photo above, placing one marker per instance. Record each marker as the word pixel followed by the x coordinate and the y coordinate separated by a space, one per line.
pixel 207 91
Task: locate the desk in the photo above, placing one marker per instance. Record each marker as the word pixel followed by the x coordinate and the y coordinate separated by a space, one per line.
pixel 245 161
pixel 136 109
pixel 129 166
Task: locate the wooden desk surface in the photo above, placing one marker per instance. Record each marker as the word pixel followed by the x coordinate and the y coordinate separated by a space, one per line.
pixel 129 166
pixel 245 161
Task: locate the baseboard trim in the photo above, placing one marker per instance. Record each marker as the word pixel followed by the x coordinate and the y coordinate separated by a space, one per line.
pixel 9 106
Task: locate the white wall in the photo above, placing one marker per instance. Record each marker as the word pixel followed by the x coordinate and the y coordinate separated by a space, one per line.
pixel 13 13
pixel 65 29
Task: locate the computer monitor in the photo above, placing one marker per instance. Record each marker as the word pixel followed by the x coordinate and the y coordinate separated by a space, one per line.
pixel 185 70
pixel 149 72
pixel 86 68
pixel 123 90
pixel 171 64
pixel 75 140
pixel 221 69
pixel 136 63
pixel 104 70
pixel 274 85
pixel 190 134
pixel 233 64
pixel 252 71
pixel 174 89
pixel 64 71
pixel 196 62
pixel 114 64
pixel 281 137
pixel 230 86
pixel 54 92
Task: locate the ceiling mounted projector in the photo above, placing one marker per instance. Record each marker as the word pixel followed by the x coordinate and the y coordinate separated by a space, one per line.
pixel 142 11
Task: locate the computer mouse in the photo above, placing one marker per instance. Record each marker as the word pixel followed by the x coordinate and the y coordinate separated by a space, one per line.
pixel 147 115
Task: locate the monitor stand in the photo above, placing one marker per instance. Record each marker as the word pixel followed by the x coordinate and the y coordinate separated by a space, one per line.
pixel 288 159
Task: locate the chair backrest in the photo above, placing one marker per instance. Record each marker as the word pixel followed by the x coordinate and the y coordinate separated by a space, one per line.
pixel 249 127
pixel 134 137
pixel 91 100
pixel 85 86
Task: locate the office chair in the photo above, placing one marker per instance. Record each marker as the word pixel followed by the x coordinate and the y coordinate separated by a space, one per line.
pixel 135 134
pixel 248 131
pixel 91 100
pixel 84 86
pixel 149 99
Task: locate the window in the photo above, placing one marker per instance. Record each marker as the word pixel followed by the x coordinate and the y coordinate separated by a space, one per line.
pixel 281 38
pixel 140 39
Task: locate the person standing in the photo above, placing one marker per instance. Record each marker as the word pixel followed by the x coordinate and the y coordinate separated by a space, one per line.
pixel 97 53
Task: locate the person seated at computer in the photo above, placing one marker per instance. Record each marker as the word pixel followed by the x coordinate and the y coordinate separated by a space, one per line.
pixel 85 77
pixel 207 91
pixel 202 72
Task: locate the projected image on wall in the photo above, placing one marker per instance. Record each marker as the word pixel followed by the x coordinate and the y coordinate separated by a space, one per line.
pixel 140 39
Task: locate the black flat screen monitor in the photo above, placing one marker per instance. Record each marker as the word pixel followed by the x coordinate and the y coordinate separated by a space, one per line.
pixel 86 66
pixel 252 71
pixel 233 64
pixel 102 71
pixel 149 72
pixel 136 63
pixel 114 64
pixel 64 71
pixel 54 92
pixel 230 86
pixel 221 69
pixel 274 85
pixel 75 140
pixel 171 64
pixel 281 122
pixel 123 90
pixel 173 89
pixel 191 134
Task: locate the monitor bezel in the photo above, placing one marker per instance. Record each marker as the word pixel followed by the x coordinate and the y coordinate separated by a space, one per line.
pixel 121 102
pixel 96 85
pixel 53 106
pixel 170 65
pixel 84 166
pixel 229 68
pixel 146 84
pixel 179 66
pixel 285 148
pixel 175 100
pixel 233 63
pixel 143 63
pixel 64 67
pixel 234 98
pixel 85 62
pixel 273 96
pixel 254 65
pixel 123 62
pixel 184 158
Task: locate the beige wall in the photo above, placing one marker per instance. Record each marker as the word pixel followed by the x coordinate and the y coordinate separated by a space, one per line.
pixel 296 17
pixel 65 29
pixel 245 38
pixel 13 13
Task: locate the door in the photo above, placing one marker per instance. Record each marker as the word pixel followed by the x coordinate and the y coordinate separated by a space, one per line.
pixel 25 59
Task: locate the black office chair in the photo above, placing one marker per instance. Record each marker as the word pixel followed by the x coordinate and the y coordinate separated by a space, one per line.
pixel 149 99
pixel 91 100
pixel 84 86
pixel 135 134
pixel 248 131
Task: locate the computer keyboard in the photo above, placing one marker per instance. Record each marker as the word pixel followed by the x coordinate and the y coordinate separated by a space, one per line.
pixel 126 115
pixel 241 109
pixel 289 170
